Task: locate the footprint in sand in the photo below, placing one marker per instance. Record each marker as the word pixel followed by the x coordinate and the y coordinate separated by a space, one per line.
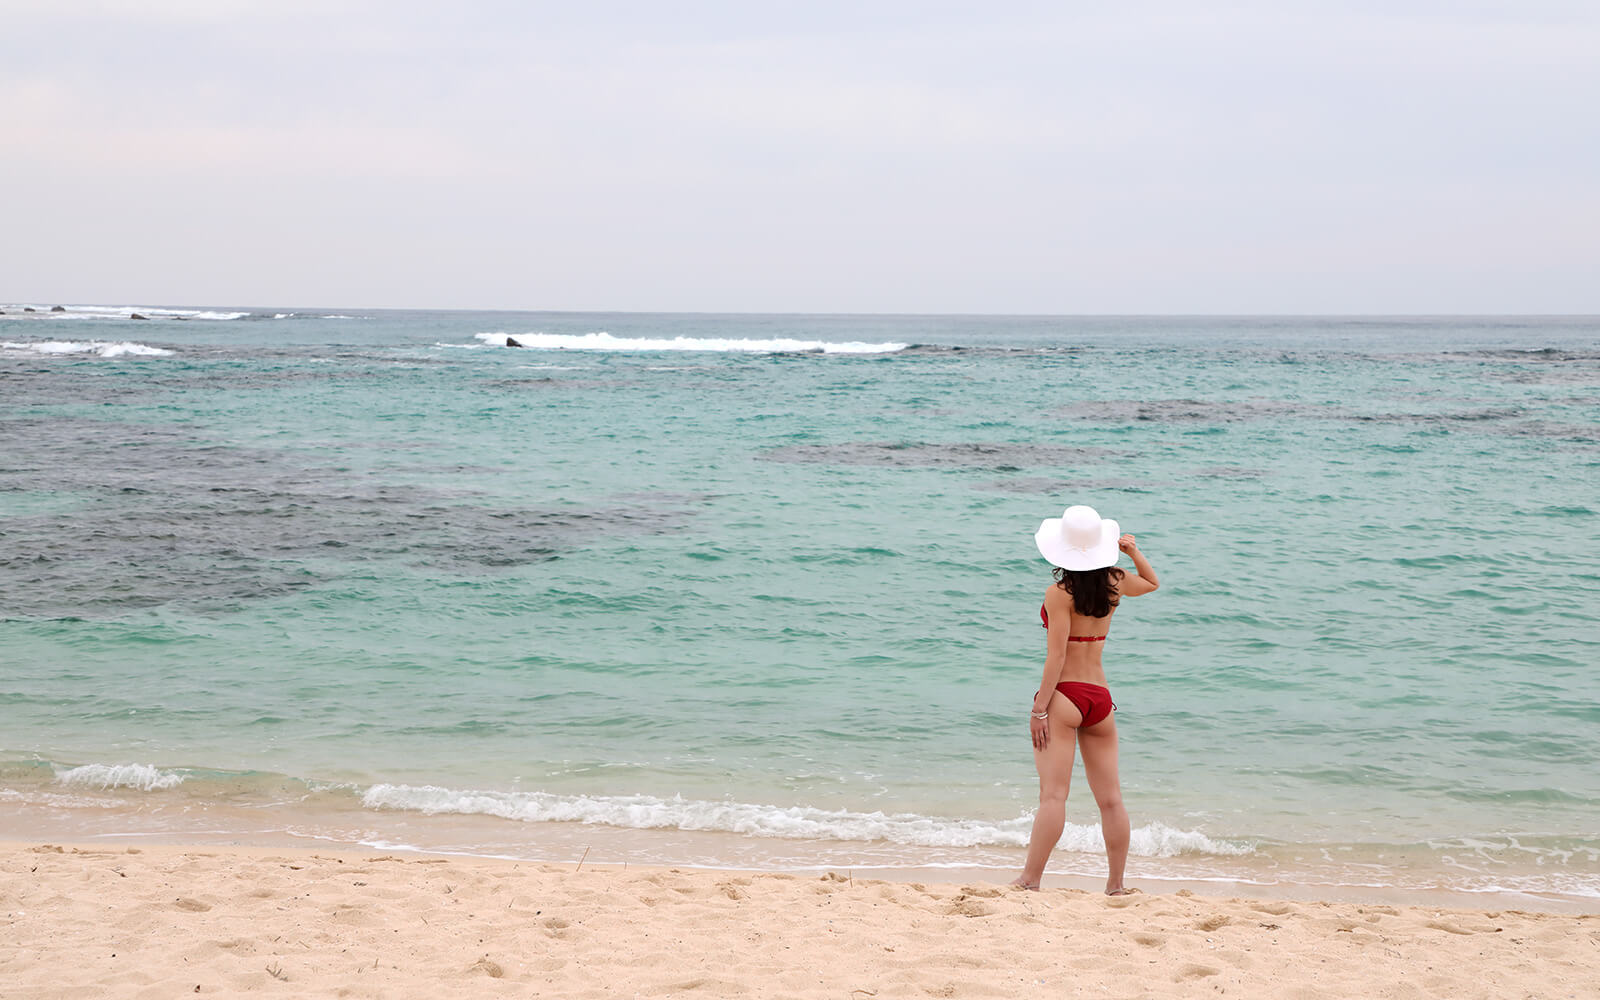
pixel 965 906
pixel 1193 971
pixel 1212 922
pixel 192 905
pixel 350 913
pixel 488 968
pixel 716 987
pixel 1276 909
pixel 1452 927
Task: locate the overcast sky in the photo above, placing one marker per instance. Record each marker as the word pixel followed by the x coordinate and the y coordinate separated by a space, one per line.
pixel 919 156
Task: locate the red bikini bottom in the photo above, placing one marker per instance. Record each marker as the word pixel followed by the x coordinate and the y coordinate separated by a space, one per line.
pixel 1091 700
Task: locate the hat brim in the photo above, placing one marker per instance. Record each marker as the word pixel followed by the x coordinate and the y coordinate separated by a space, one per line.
pixel 1057 552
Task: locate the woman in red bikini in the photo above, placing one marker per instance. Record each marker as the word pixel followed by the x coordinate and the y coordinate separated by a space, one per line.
pixel 1073 707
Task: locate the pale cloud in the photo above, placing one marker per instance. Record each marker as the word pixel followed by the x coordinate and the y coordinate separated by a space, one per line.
pixel 1142 157
pixel 54 126
pixel 169 11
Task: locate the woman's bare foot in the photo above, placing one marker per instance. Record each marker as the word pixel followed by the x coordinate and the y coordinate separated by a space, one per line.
pixel 1022 883
pixel 1121 890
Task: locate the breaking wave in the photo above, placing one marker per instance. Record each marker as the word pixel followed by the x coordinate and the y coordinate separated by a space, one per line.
pixel 141 777
pixel 645 812
pixel 607 342
pixel 121 312
pixel 99 348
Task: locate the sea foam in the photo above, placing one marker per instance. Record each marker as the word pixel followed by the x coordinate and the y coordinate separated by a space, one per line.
pixel 607 342
pixel 101 348
pixel 644 812
pixel 127 312
pixel 143 777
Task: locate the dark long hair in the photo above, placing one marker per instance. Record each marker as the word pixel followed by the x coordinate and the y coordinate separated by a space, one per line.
pixel 1094 591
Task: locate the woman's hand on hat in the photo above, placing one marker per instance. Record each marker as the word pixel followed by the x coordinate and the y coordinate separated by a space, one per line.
pixel 1127 544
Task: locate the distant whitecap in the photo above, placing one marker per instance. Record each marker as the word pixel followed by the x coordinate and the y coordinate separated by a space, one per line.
pixel 606 342
pixel 127 312
pixel 101 348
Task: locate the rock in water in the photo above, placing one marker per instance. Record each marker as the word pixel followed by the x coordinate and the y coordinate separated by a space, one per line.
pixel 137 316
pixel 512 342
pixel 58 309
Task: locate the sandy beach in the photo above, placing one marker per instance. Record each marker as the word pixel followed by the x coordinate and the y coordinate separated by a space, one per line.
pixel 163 921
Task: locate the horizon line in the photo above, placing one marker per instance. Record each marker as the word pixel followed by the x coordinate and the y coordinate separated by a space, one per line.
pixel 827 313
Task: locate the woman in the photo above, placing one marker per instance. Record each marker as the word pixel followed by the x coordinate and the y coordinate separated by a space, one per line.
pixel 1073 707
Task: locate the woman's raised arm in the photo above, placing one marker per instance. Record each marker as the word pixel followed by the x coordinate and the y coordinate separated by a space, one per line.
pixel 1146 580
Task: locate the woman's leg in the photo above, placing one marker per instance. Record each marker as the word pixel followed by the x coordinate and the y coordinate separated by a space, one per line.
pixel 1100 767
pixel 1054 764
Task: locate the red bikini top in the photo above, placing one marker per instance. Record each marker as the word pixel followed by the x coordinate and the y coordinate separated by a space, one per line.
pixel 1071 638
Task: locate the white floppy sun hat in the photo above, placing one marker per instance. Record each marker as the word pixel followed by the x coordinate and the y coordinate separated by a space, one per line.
pixel 1079 539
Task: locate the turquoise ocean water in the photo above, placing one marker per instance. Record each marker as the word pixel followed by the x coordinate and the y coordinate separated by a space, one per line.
pixel 761 590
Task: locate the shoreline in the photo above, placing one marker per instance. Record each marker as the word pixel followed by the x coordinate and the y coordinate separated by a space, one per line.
pixel 273 816
pixel 616 849
pixel 156 920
